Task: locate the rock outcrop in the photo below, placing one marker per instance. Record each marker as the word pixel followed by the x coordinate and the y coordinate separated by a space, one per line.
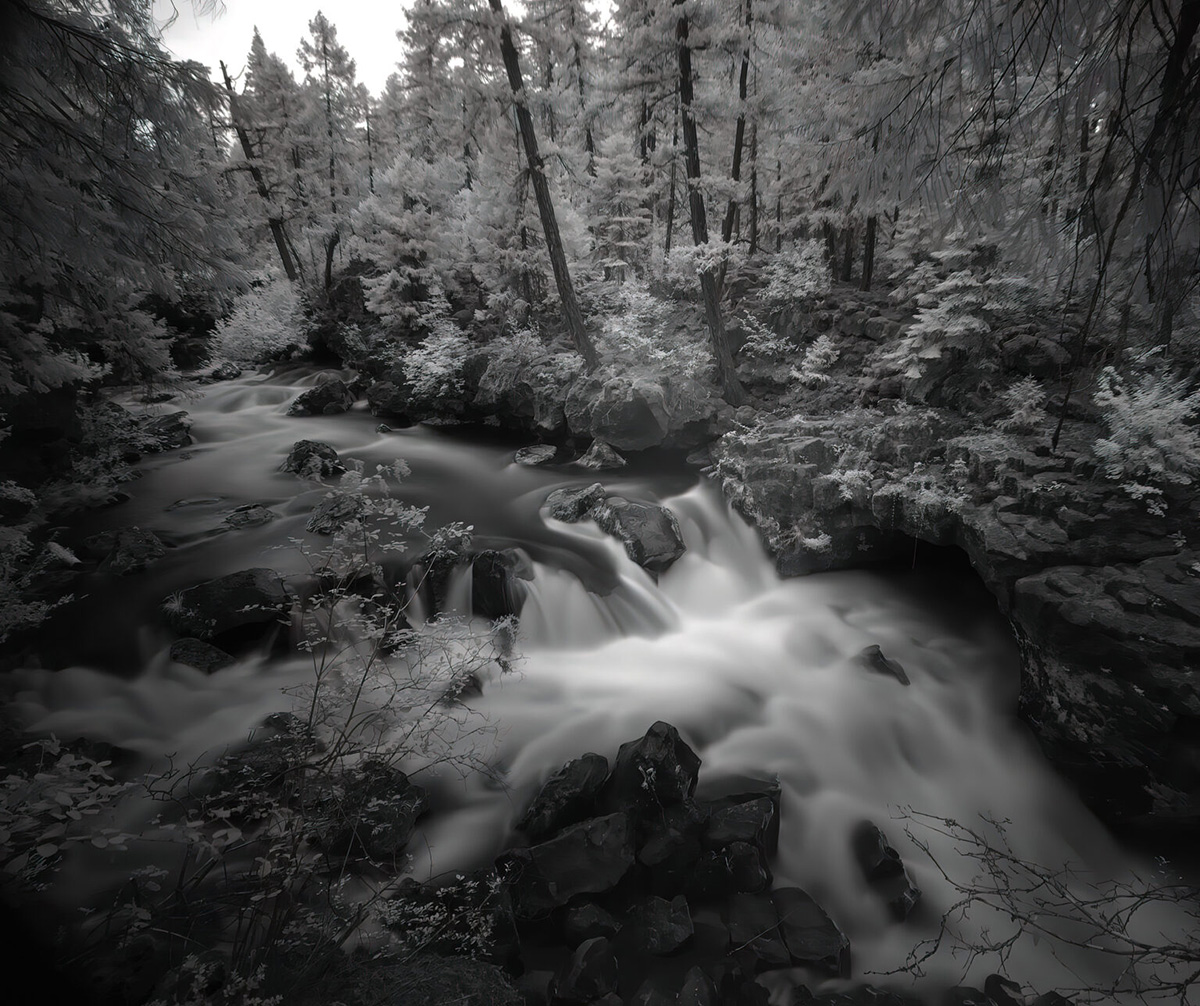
pixel 249 597
pixel 1103 593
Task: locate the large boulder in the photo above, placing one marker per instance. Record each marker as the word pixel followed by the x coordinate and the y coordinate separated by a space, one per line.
pixel 649 532
pixel 535 455
pixel 566 798
pixel 200 655
pixel 883 870
pixel 328 398
pixel 812 939
pixel 127 550
pixel 248 597
pixel 166 433
pixel 498 582
pixel 587 976
pixel 601 457
pixel 585 858
pixel 371 813
pixel 334 512
pixel 655 771
pixel 574 504
pixel 636 413
pixel 313 459
pixel 658 926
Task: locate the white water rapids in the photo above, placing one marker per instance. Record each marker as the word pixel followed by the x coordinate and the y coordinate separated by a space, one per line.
pixel 759 674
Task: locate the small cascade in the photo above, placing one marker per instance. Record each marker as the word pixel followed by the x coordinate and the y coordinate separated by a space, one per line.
pixel 762 676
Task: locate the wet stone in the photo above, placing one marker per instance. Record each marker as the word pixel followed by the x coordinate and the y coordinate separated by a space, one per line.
pixel 250 515
pixel 200 655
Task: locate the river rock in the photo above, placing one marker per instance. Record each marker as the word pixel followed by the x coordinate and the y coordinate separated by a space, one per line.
pixel 872 659
pixel 334 512
pixel 649 532
pixel 166 433
pixel 567 797
pixel 586 921
pixel 643 412
pixel 812 939
pixel 698 989
pixel 754 821
pixel 600 457
pixel 649 994
pixel 312 458
pixel 227 371
pixel 371 813
pixel 535 455
pixel 127 550
pixel 653 772
pixel 754 931
pixel 588 975
pixel 586 858
pixel 671 848
pixel 498 582
pixel 200 655
pixel 658 926
pixel 327 398
pixel 884 870
pixel 738 868
pixel 250 515
pixel 249 597
pixel 571 505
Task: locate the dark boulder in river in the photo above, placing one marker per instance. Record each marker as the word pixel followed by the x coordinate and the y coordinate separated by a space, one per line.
pixel 326 399
pixel 248 597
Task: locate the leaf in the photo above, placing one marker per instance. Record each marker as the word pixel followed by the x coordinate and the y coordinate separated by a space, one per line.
pixel 46 850
pixel 100 842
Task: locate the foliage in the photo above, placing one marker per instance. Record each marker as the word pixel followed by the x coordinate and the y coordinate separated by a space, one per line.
pixel 108 182
pixel 818 358
pixel 435 368
pixel 254 866
pixel 949 322
pixel 266 323
pixel 638 335
pixel 1153 440
pixel 798 273
pixel 1024 403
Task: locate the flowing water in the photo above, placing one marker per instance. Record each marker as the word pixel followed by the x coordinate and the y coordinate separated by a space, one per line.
pixel 759 674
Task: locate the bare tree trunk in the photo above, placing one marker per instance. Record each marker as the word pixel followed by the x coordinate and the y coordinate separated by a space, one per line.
pixel 572 314
pixel 753 188
pixel 370 154
pixel 589 143
pixel 731 388
pixel 848 253
pixel 331 243
pixel 274 220
pixel 671 194
pixel 739 138
pixel 868 272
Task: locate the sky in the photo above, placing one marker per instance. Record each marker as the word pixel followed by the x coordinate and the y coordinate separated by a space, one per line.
pixel 367 28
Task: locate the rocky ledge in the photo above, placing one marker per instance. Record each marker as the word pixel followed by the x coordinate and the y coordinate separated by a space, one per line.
pixel 1103 592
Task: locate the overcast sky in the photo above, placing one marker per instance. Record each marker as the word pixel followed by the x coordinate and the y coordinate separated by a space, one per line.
pixel 367 28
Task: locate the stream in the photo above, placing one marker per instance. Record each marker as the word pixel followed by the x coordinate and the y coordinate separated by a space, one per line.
pixel 760 674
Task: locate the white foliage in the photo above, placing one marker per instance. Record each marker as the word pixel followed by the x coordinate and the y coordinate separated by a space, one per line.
pixel 818 358
pixel 1024 402
pixel 1152 435
pixel 435 368
pixel 265 323
pixel 797 273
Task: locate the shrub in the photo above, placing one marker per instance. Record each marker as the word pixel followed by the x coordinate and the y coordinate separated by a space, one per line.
pixel 797 273
pixel 1024 404
pixel 1153 440
pixel 818 358
pixel 435 368
pixel 266 323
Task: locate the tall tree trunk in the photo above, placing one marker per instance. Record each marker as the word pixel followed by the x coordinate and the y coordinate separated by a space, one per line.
pixel 868 272
pixel 370 155
pixel 671 193
pixel 331 243
pixel 572 314
pixel 589 143
pixel 848 253
pixel 274 220
pixel 753 188
pixel 739 137
pixel 731 388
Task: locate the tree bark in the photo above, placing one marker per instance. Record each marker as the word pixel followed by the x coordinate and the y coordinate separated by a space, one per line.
pixel 273 220
pixel 731 388
pixel 753 189
pixel 868 272
pixel 739 138
pixel 572 314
